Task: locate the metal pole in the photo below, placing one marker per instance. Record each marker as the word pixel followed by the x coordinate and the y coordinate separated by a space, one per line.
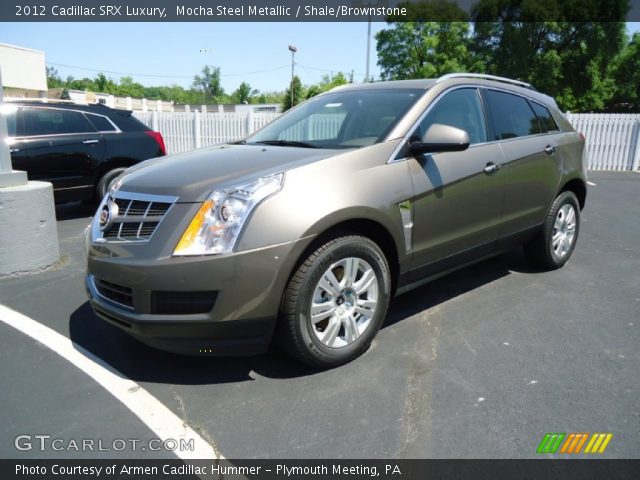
pixel 8 176
pixel 293 51
pixel 292 63
pixel 366 78
pixel 5 156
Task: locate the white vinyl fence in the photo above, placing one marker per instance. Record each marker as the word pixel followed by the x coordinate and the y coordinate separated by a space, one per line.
pixel 184 131
pixel 612 139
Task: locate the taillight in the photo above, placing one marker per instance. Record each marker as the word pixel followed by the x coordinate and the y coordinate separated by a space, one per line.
pixel 157 136
pixel 582 136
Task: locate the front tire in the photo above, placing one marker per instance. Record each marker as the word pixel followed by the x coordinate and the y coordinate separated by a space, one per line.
pixel 335 302
pixel 552 247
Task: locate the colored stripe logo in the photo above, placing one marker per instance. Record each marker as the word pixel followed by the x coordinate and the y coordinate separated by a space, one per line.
pixel 574 442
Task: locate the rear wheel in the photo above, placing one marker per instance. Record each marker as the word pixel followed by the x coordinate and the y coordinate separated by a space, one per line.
pixel 552 247
pixel 106 181
pixel 335 302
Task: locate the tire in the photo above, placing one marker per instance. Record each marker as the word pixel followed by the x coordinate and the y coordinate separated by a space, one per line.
pixel 349 313
pixel 553 245
pixel 105 182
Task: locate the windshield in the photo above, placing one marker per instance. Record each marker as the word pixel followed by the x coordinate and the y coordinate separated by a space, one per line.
pixel 350 119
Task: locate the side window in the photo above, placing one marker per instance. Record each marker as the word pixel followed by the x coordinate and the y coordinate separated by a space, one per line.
pixel 547 121
pixel 101 123
pixel 461 109
pixel 10 113
pixel 512 116
pixel 50 121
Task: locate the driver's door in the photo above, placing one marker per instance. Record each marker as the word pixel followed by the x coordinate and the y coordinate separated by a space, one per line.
pixel 458 200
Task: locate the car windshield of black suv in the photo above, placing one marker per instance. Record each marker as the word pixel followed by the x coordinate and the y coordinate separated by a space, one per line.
pixel 350 119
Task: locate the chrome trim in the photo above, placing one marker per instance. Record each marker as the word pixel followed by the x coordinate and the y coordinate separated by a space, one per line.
pixel 97 236
pixel 485 77
pixel 117 129
pixel 406 214
pixel 74 188
pixel 405 138
pixel 93 288
pixel 46 107
pixel 144 197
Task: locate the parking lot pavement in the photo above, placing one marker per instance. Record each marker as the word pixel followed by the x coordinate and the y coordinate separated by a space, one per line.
pixel 481 363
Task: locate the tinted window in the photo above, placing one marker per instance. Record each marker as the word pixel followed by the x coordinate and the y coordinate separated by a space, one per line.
pixel 461 109
pixel 101 123
pixel 547 122
pixel 48 121
pixel 9 112
pixel 512 116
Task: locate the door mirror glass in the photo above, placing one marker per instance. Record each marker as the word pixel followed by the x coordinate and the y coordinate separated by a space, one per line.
pixel 441 138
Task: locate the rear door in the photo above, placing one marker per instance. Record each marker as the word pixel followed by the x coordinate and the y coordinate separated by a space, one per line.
pixel 531 167
pixel 458 196
pixel 59 146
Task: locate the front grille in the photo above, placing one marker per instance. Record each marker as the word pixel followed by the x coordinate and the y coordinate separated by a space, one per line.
pixel 137 219
pixel 115 293
pixel 182 303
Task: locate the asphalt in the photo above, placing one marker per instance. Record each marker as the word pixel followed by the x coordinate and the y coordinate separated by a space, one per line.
pixel 479 364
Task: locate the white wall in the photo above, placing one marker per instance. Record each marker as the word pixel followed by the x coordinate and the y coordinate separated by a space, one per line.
pixel 23 68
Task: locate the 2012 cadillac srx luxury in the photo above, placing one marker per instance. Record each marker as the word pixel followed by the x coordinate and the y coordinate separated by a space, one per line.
pixel 304 231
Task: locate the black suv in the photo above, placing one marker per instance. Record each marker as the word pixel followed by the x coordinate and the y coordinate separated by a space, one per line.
pixel 80 149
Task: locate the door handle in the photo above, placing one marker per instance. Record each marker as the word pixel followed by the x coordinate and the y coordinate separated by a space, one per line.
pixel 491 168
pixel 88 142
pixel 550 149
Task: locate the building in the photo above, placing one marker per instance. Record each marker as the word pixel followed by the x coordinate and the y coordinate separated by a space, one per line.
pixel 24 72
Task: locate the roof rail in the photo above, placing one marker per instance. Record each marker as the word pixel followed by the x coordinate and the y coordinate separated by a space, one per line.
pixel 40 100
pixel 486 77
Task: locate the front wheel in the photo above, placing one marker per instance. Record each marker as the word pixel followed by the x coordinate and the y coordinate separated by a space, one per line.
pixel 552 247
pixel 335 302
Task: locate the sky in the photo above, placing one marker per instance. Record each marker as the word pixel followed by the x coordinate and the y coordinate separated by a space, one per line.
pixel 172 53
pixel 178 51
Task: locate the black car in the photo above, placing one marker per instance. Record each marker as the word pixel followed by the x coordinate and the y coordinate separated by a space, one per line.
pixel 80 149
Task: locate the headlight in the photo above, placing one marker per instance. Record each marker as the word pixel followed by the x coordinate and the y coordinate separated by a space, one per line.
pixel 219 221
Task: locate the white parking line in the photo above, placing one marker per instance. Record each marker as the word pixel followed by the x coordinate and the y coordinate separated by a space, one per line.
pixel 162 421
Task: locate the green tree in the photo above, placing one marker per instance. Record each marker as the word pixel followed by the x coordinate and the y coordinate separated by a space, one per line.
pixel 298 94
pixel 327 83
pixel 569 60
pixel 209 84
pixel 270 97
pixel 243 93
pixel 53 78
pixel 104 84
pixel 128 88
pixel 424 49
pixel 626 77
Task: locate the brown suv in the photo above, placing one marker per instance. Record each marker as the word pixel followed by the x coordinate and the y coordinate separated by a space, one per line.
pixel 307 228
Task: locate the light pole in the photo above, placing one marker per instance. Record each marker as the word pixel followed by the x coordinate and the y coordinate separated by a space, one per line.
pixel 293 51
pixel 366 78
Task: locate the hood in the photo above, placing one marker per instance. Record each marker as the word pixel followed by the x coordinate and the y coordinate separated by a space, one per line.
pixel 191 176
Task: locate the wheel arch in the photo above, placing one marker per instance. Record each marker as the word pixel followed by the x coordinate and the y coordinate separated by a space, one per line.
pixel 578 187
pixel 113 163
pixel 366 227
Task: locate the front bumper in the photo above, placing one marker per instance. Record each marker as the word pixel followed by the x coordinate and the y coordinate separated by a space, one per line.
pixel 246 288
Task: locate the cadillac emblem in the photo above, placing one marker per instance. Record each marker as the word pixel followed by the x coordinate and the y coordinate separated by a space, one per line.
pixel 108 213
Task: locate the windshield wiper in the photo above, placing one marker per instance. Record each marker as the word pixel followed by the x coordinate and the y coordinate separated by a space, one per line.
pixel 287 143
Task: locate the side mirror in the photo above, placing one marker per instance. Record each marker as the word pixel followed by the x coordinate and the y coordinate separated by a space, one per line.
pixel 441 138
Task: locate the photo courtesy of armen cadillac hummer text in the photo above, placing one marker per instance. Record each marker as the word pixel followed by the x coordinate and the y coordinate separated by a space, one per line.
pixel 305 230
